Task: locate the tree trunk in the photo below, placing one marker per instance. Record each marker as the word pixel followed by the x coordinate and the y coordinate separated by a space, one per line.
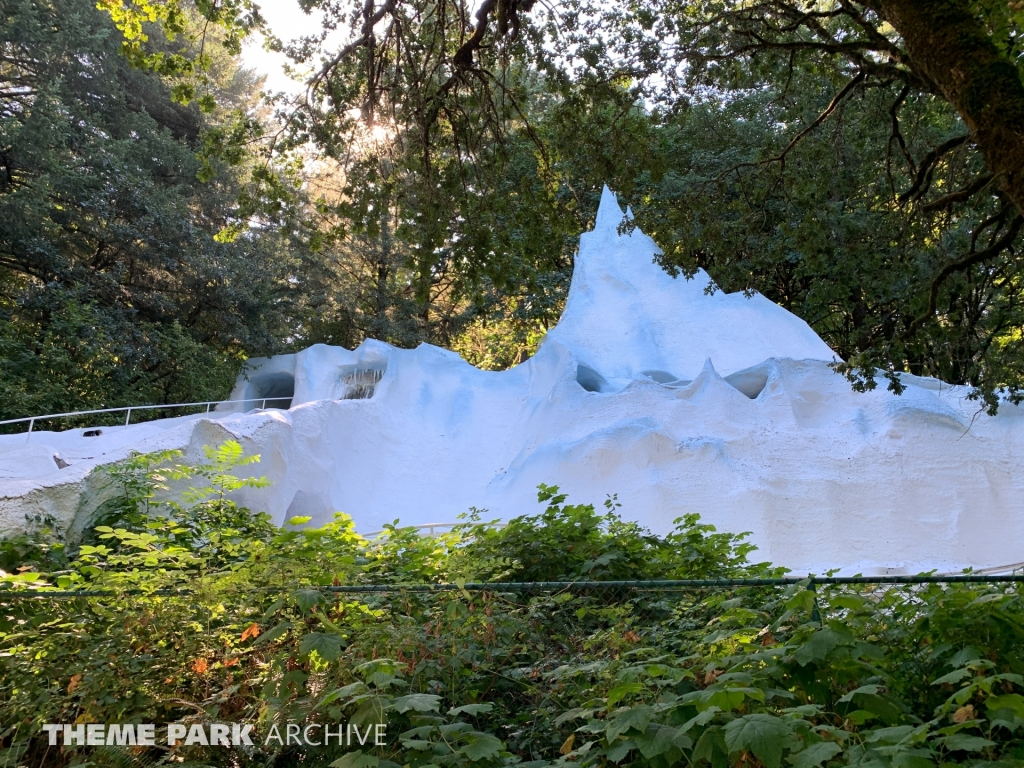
pixel 949 45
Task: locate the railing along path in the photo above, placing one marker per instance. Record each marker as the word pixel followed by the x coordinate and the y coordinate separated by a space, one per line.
pixel 129 408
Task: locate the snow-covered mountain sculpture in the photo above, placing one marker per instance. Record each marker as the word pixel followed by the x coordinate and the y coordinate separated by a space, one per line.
pixel 649 387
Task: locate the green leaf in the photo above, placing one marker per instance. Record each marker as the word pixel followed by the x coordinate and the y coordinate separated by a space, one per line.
pixel 868 701
pixel 710 743
pixel 620 750
pixel 420 732
pixel 815 754
pixel 727 700
pixel 417 744
pixel 963 742
pixel 802 600
pixel 660 739
pixel 343 693
pixel 818 646
pixel 481 746
pixel 328 647
pixel 306 598
pixel 461 584
pixel 272 634
pixel 634 717
pixel 916 758
pixel 356 759
pixel 991 598
pixel 804 710
pixel 274 608
pixel 450 730
pixel 867 689
pixel 470 709
pixel 207 103
pixel 758 733
pixel 703 718
pixel 860 716
pixel 880 706
pixel 1012 701
pixel 852 602
pixel 418 702
pixel 893 735
pixel 619 692
pixel 953 677
pixel 574 714
pixel 368 712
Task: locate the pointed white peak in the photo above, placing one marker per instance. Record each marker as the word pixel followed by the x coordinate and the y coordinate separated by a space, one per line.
pixel 609 215
pixel 707 375
pixel 699 387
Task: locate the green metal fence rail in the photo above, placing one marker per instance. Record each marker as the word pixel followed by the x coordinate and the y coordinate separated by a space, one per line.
pixel 557 586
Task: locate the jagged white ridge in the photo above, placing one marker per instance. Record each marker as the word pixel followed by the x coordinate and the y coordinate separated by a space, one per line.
pixel 649 387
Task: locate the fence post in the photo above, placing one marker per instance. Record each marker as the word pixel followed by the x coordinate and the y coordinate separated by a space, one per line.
pixel 31 422
pixel 128 417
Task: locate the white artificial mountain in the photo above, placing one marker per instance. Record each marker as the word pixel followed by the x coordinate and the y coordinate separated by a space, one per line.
pixel 650 387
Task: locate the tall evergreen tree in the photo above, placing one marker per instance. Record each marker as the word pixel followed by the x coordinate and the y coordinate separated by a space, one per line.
pixel 114 287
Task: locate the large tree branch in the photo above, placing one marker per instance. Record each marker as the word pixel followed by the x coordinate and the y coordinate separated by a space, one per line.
pixel 832 106
pixel 952 48
pixel 870 28
pixel 924 171
pixel 960 195
pixel 965 262
pixel 870 51
pixel 897 136
pixel 370 20
pixel 464 56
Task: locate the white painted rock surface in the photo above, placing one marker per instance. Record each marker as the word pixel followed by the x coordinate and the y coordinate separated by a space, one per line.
pixel 626 395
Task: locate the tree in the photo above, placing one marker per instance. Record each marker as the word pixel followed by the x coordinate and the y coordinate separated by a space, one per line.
pixel 950 203
pixel 972 54
pixel 913 266
pixel 113 286
pixel 969 52
pixel 822 233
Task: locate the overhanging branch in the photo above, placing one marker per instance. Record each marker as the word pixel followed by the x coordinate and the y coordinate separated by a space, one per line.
pixel 924 171
pixel 833 105
pixel 960 195
pixel 966 262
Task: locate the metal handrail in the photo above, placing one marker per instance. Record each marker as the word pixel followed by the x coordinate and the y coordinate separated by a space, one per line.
pixel 129 408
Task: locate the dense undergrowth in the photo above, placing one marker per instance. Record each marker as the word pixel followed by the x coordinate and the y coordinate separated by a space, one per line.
pixel 908 677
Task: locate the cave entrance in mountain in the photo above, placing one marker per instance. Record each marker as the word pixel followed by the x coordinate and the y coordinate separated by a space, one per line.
pixel 270 390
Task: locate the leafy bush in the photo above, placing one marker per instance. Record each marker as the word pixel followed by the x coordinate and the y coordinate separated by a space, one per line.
pixel 219 616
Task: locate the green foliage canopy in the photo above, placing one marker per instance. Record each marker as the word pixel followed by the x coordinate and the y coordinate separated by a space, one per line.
pixel 113 286
pixel 820 154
